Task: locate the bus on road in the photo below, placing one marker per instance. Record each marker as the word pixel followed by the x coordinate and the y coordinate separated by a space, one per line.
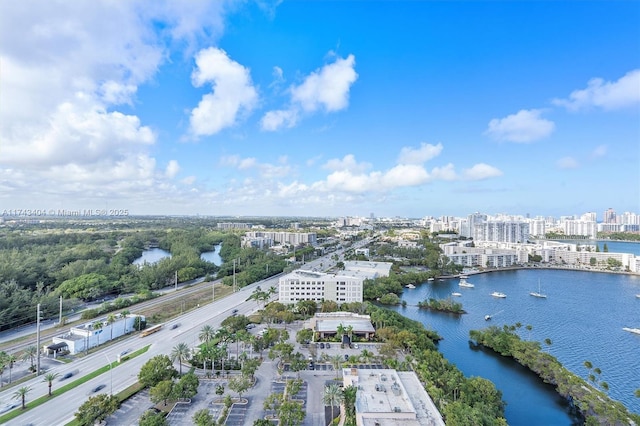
pixel 150 330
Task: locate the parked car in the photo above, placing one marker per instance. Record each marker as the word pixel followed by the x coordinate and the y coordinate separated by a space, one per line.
pixel 355 346
pixel 321 345
pixel 328 345
pixel 346 357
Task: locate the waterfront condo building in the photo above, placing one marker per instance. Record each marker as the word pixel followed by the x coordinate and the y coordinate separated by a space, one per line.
pixel 344 286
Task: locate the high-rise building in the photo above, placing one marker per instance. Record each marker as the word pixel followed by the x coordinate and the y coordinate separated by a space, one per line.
pixel 609 216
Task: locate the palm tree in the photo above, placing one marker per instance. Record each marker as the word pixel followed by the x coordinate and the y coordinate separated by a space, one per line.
pixel 2 367
pixel 336 361
pixel 332 396
pixel 124 314
pixel 22 394
pixel 98 326
pixel 49 378
pixel 180 352
pixel 29 354
pixel 207 333
pixel 111 318
pixel 11 360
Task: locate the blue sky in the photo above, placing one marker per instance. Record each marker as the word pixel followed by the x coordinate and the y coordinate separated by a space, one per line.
pixel 310 108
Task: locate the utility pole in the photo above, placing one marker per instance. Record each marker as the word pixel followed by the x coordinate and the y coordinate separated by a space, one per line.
pixel 175 280
pixel 38 340
pixel 60 316
pixel 234 275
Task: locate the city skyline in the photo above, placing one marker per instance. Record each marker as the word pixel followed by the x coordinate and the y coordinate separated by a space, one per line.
pixel 321 109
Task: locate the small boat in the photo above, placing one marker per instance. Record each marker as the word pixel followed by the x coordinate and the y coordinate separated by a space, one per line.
pixel 456 294
pixel 538 293
pixel 488 317
pixel 498 294
pixel 431 279
pixel 638 296
pixel 410 286
pixel 632 330
pixel 463 276
pixel 466 284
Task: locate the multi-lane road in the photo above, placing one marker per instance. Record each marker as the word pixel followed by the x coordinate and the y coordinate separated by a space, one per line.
pixel 60 410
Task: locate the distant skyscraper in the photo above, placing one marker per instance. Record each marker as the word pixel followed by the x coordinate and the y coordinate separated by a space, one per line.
pixel 609 216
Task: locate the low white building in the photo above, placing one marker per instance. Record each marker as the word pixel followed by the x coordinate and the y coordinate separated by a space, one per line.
pixel 88 335
pixel 387 397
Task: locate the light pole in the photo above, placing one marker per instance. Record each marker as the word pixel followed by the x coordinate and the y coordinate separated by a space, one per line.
pixel 110 375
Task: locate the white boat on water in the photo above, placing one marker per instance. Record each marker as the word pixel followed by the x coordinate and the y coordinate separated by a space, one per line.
pixel 638 296
pixel 498 294
pixel 538 293
pixel 410 286
pixel 487 317
pixel 456 294
pixel 431 279
pixel 465 284
pixel 632 330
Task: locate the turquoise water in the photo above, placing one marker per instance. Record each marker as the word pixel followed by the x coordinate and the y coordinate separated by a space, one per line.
pixel 583 316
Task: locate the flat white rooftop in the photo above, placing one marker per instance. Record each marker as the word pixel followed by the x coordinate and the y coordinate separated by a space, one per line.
pixel 387 397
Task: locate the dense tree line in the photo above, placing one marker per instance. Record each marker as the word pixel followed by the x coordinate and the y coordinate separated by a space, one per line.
pixel 591 401
pixel 462 401
pixel 37 266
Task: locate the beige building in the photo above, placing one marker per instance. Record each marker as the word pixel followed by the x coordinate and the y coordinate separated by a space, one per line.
pixel 326 324
pixel 387 397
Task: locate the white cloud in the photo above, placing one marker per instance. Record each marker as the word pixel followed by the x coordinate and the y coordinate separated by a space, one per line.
pixel 567 163
pixel 274 120
pixel 481 171
pixel 623 93
pixel 172 169
pixel 328 87
pixel 421 155
pixel 600 151
pixel 325 89
pixel 189 180
pixel 66 71
pixel 348 162
pixel 233 92
pixel 521 127
pixel 447 172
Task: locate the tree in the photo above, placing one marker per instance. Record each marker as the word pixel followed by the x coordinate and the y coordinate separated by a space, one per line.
pixel 332 396
pixel 96 409
pixel 155 370
pixel 29 354
pixel 98 326
pixel 207 333
pixel 124 314
pixel 11 360
pixel 290 413
pixel 336 362
pixel 304 336
pixel 152 418
pixel 240 384
pixel 3 365
pixel 49 378
pixel 203 418
pixel 161 392
pixel 111 318
pixel 21 394
pixel 186 387
pixel 181 353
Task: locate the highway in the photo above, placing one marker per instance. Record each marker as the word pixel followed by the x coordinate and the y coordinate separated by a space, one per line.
pixel 60 410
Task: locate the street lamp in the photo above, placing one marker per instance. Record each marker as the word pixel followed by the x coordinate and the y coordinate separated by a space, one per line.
pixel 110 374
